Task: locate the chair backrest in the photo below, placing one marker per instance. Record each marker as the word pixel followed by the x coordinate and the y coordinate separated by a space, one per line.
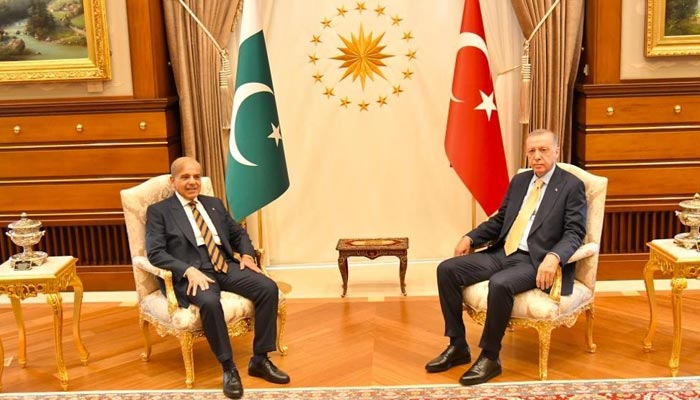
pixel 135 201
pixel 596 190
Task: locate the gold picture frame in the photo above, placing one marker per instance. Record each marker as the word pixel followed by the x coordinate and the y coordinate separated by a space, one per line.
pixel 661 43
pixel 94 66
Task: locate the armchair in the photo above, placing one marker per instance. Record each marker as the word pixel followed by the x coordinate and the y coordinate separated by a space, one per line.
pixel 163 311
pixel 535 308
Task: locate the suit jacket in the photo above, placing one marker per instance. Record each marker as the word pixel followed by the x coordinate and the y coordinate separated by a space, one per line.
pixel 559 225
pixel 171 244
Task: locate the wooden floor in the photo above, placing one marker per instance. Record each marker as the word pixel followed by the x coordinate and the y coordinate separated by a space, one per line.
pixel 346 342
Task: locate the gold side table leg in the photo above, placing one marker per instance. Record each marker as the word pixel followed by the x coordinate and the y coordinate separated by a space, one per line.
pixel 21 335
pixel 677 286
pixel 54 299
pixel 77 285
pixel 649 269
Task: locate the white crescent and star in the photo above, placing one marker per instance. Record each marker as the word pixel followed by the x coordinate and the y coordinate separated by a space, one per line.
pixel 240 95
pixel 470 39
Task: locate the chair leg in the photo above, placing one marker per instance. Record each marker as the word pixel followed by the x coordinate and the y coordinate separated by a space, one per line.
pixel 590 316
pixel 545 337
pixel 281 323
pixel 186 342
pixel 146 355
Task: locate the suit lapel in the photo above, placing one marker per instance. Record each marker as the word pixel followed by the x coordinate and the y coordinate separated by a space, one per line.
pixel 180 217
pixel 515 202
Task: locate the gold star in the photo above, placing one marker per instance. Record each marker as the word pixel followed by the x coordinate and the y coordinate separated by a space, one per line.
pixel 379 10
pixel 381 101
pixel 313 58
pixel 326 23
pixel 363 106
pixel 396 20
pixel 397 90
pixel 317 77
pixel 362 56
pixel 341 11
pixel 411 55
pixel 407 74
pixel 360 6
pixel 344 102
pixel 315 39
pixel 407 36
pixel 328 92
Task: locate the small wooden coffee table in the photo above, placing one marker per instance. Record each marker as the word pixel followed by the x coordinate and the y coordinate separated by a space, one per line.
pixel 372 248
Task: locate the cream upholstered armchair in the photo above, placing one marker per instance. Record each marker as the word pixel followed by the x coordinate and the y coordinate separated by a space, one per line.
pixel 535 308
pixel 163 311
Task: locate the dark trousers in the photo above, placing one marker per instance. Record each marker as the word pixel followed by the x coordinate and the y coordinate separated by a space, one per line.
pixel 507 277
pixel 258 288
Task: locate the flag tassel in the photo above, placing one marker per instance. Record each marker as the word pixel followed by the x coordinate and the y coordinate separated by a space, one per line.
pixel 525 85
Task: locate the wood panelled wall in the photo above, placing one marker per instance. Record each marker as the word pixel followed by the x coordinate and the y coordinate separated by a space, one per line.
pixel 65 160
pixel 642 135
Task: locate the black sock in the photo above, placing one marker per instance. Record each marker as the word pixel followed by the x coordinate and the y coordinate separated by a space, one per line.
pixel 491 355
pixel 459 342
pixel 228 365
pixel 258 358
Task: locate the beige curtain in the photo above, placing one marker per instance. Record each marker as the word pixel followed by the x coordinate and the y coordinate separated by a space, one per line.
pixel 554 53
pixel 196 62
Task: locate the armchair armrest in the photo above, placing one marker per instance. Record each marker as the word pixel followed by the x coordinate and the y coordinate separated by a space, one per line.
pixel 582 252
pixel 142 263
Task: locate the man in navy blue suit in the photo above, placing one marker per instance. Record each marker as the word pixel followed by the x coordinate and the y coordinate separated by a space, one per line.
pixel 540 224
pixel 176 240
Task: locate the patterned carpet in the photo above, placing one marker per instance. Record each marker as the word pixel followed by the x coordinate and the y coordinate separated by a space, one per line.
pixel 647 389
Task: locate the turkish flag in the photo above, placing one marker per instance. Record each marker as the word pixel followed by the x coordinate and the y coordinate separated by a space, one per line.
pixel 473 141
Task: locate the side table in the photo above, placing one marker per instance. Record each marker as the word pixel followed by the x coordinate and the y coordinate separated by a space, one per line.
pixel 680 263
pixel 372 248
pixel 50 278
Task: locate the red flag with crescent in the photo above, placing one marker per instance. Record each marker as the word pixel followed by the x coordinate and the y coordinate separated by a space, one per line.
pixel 473 141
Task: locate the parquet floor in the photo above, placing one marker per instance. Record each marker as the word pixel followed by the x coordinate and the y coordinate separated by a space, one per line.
pixel 346 342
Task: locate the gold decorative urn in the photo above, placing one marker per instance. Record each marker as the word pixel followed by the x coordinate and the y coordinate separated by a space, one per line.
pixel 26 233
pixel 689 216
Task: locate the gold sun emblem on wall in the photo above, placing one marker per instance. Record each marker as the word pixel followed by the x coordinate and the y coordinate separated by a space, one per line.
pixel 361 57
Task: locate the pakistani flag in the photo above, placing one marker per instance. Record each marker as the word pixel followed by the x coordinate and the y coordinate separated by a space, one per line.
pixel 256 171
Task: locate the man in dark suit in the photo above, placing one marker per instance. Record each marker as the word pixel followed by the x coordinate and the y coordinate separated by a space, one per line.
pixel 540 224
pixel 193 236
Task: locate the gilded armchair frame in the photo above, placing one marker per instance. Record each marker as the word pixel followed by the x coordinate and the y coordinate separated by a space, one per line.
pixel 145 275
pixel 586 259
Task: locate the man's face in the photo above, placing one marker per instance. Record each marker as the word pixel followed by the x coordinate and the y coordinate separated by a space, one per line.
pixel 542 153
pixel 188 180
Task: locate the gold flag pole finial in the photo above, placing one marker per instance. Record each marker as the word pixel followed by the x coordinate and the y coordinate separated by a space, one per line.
pixel 525 84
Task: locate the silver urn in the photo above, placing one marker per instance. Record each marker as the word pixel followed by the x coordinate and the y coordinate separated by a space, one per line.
pixel 690 217
pixel 26 233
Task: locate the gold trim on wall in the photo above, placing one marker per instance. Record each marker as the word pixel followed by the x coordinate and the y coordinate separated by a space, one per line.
pixel 658 44
pixel 96 66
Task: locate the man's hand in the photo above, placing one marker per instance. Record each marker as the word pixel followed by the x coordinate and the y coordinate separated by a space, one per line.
pixel 546 271
pixel 197 280
pixel 464 246
pixel 247 261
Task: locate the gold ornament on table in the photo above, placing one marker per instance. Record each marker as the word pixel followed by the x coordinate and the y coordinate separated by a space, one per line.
pixel 689 216
pixel 26 233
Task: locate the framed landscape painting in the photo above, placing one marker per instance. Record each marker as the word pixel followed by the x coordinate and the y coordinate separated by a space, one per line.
pixel 673 28
pixel 53 40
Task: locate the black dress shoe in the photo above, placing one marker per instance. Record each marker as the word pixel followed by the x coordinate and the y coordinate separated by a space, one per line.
pixel 233 388
pixel 481 371
pixel 449 358
pixel 267 370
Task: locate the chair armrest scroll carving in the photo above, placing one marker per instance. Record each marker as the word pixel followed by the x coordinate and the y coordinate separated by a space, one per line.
pixel 582 252
pixel 143 264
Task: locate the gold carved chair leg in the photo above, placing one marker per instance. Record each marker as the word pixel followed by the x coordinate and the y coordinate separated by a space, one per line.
pixel 21 335
pixel 545 337
pixel 590 316
pixel 186 342
pixel 282 322
pixel 146 355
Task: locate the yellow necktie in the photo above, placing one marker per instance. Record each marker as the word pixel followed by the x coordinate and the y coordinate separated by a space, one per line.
pixel 217 259
pixel 518 228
